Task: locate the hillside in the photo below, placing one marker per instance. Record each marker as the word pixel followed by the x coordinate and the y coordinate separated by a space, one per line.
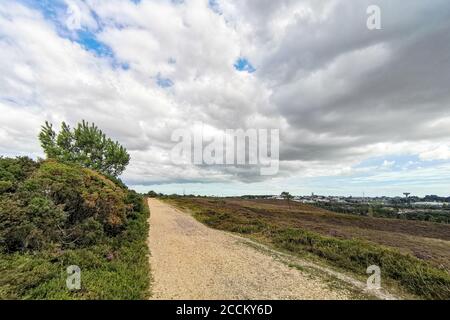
pixel 55 215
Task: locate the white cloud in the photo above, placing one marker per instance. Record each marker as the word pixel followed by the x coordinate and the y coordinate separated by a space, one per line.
pixel 388 164
pixel 438 153
pixel 338 93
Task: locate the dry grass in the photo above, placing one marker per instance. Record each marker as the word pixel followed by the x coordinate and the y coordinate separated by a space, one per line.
pixel 424 240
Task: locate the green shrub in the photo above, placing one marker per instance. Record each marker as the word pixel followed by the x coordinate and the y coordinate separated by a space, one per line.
pixel 59 205
pixel 14 171
pixel 83 194
pixel 6 186
pixel 37 226
pixel 58 215
pixel 12 230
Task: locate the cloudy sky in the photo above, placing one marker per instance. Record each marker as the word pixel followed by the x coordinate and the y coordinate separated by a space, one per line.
pixel 358 110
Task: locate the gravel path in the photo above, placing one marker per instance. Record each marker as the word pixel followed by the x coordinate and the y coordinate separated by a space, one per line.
pixel 191 261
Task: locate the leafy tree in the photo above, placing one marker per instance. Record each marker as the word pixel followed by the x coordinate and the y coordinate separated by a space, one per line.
pixel 286 195
pixel 85 145
pixel 152 194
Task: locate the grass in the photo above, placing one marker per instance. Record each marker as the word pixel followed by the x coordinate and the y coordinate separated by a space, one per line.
pixel 117 269
pixel 348 242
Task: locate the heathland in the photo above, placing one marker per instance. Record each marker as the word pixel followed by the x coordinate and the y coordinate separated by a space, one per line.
pixel 71 212
pixel 413 255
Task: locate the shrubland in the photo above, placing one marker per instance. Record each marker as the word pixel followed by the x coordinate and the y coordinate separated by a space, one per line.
pixel 56 213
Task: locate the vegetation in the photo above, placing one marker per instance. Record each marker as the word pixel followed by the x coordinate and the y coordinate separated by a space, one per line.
pixel 374 210
pixel 72 210
pixel 439 216
pixel 54 215
pixel 348 242
pixel 87 146
pixel 153 194
pixel 286 195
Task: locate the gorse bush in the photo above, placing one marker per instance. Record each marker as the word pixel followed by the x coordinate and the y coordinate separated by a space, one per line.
pixel 14 171
pixel 34 226
pixel 85 145
pixel 114 269
pixel 53 215
pixel 62 205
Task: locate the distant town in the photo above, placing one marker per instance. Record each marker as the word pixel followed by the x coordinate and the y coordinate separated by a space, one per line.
pixel 429 201
pixel 431 208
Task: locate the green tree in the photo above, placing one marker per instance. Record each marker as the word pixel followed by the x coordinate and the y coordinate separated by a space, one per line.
pixel 85 145
pixel 152 194
pixel 286 195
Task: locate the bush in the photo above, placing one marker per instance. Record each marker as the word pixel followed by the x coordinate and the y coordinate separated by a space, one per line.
pixel 65 206
pixel 14 171
pixel 56 215
pixel 39 225
pixel 83 194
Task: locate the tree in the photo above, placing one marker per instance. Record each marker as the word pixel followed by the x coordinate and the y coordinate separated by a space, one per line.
pixel 152 194
pixel 286 195
pixel 86 145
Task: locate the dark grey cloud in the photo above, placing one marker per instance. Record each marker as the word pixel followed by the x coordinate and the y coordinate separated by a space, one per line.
pixel 324 82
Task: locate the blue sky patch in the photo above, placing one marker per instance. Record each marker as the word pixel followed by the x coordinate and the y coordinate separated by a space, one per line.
pixel 242 64
pixel 49 8
pixel 90 42
pixel 399 162
pixel 214 6
pixel 163 82
pixel 55 11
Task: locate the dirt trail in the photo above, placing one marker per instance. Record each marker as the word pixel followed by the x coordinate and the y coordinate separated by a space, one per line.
pixel 192 261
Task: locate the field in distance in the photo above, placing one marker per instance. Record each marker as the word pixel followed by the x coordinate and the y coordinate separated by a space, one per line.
pixel 414 256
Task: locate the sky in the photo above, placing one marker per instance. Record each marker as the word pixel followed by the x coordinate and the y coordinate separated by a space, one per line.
pixel 358 110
